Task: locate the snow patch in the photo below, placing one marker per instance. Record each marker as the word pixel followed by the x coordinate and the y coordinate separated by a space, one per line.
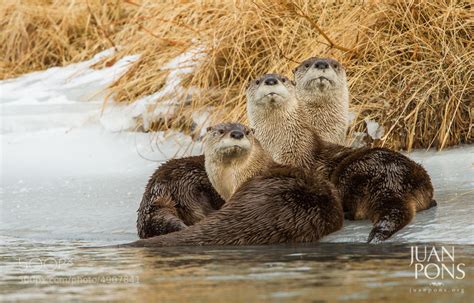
pixel 73 96
pixel 60 97
pixel 160 105
pixel 374 130
pixel 52 122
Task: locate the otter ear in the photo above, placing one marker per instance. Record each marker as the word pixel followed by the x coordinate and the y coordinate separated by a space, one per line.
pixel 208 129
pixel 293 82
pixel 294 70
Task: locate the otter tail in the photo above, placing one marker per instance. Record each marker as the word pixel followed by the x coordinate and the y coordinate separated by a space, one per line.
pixel 391 214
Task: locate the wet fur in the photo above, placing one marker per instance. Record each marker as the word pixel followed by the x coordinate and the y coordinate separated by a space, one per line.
pixel 279 205
pixel 178 194
pixel 383 186
pixel 374 183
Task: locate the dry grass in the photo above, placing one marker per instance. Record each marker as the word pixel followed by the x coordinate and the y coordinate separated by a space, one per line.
pixel 37 34
pixel 410 63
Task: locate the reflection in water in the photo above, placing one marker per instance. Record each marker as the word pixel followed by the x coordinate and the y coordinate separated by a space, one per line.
pixel 65 270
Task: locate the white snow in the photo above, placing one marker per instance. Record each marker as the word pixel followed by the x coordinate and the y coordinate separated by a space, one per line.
pixel 56 117
pixel 374 130
pixel 119 118
pixel 64 163
pixel 68 172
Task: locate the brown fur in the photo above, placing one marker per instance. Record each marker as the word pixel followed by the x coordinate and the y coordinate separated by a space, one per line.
pixel 383 186
pixel 374 183
pixel 277 205
pixel 178 194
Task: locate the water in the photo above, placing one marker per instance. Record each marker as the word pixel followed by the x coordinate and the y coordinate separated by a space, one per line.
pixel 48 217
pixel 61 270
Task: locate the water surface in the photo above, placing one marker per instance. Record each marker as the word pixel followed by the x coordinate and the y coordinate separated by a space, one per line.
pixel 62 270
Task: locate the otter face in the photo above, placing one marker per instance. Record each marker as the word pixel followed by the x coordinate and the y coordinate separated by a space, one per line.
pixel 319 76
pixel 228 141
pixel 268 93
pixel 269 90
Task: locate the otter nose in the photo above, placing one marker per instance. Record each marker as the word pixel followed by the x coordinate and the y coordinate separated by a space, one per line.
pixel 236 134
pixel 271 81
pixel 321 64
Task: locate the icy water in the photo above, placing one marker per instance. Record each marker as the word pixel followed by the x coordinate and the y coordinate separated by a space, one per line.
pixel 48 217
pixel 61 271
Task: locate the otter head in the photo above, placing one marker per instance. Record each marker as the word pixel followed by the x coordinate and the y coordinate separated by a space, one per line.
pixel 319 77
pixel 269 94
pixel 232 156
pixel 227 142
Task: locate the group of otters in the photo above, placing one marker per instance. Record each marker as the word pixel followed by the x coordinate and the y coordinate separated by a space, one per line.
pixel 288 178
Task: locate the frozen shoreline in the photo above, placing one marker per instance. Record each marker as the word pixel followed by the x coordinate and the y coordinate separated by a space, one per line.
pixel 67 173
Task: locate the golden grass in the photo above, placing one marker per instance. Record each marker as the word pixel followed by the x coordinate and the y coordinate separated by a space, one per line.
pixel 410 63
pixel 37 34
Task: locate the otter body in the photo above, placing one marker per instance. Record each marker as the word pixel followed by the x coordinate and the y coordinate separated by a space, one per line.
pixel 374 183
pixel 178 194
pixel 272 204
pixel 384 186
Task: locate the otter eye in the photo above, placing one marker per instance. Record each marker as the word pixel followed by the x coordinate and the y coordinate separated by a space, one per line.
pixel 336 66
pixel 283 80
pixel 257 82
pixel 221 131
pixel 247 133
pixel 306 65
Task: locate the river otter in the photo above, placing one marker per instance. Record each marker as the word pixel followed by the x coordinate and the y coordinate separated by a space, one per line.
pixel 322 84
pixel 269 203
pixel 178 194
pixel 374 183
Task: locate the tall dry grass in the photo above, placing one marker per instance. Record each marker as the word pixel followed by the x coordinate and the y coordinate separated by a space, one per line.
pixel 37 34
pixel 410 63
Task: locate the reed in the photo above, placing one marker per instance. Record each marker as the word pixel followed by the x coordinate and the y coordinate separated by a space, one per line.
pixel 410 63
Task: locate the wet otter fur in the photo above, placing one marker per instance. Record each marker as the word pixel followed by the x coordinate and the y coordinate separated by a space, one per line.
pixel 274 203
pixel 178 194
pixel 374 183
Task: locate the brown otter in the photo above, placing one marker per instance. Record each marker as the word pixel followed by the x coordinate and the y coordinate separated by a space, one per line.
pixel 322 84
pixel 374 183
pixel 178 194
pixel 272 204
